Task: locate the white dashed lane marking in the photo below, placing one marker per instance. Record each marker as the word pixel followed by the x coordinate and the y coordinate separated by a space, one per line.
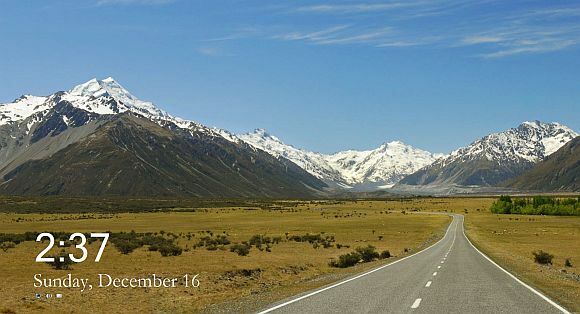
pixel 428 284
pixel 435 274
pixel 416 304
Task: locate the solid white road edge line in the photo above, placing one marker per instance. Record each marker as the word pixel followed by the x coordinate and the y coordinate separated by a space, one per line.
pixel 556 305
pixel 361 275
pixel 416 304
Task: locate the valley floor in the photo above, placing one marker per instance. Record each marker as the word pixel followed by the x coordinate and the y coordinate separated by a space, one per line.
pixel 233 283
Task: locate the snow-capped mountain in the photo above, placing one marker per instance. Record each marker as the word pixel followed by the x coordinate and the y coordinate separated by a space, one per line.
pixel 315 163
pixel 363 170
pixel 101 97
pixel 383 166
pixel 495 157
pixel 99 139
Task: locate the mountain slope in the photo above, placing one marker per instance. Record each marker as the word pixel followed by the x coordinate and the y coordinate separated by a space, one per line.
pixel 496 157
pixel 357 170
pixel 130 155
pixel 558 172
pixel 98 139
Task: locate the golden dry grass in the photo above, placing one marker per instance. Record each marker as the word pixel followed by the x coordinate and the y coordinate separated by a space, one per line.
pixel 511 239
pixel 291 267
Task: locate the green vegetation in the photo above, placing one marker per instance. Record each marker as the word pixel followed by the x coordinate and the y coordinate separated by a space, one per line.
pixel 61 264
pixel 361 254
pixel 240 249
pixel 91 206
pixel 537 205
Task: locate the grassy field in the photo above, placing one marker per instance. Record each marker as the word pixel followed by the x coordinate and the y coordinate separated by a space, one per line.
pixel 244 283
pixel 252 281
pixel 511 239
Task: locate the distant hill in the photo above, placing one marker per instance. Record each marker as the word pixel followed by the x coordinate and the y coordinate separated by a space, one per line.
pixel 558 172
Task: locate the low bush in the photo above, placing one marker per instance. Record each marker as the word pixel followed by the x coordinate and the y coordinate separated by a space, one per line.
pixel 368 253
pixel 126 246
pixel 568 263
pixel 6 245
pixel 240 249
pixel 170 249
pixel 385 254
pixel 542 257
pixel 346 260
pixel 64 264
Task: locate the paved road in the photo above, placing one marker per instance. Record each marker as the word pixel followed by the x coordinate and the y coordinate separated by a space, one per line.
pixel 449 277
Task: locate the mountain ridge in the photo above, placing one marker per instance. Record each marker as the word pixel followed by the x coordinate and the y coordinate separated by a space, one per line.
pixel 51 148
pixel 494 158
pixel 358 170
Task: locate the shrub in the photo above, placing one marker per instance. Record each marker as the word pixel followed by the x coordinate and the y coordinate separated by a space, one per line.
pixel 126 246
pixel 538 205
pixel 568 263
pixel 6 245
pixel 346 260
pixel 61 264
pixel 385 254
pixel 170 249
pixel 241 249
pixel 213 244
pixel 542 257
pixel 368 253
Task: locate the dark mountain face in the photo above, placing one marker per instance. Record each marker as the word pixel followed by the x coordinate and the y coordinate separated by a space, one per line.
pixel 131 155
pixel 559 172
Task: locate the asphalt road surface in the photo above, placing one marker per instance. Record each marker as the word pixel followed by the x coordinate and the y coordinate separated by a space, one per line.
pixel 451 276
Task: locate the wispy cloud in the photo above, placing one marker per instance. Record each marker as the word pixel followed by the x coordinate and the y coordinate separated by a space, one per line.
pixel 524 36
pixel 484 28
pixel 474 40
pixel 213 52
pixel 340 35
pixel 541 47
pixel 133 2
pixel 355 8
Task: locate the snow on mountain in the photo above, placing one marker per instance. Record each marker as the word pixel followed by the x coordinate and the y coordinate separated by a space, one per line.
pixel 103 97
pixel 378 168
pixel 387 164
pixel 315 163
pixel 530 141
pixel 22 108
pixel 494 158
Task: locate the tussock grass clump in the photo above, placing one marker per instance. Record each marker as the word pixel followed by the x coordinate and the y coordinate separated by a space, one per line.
pixel 169 249
pixel 59 264
pixel 346 260
pixel 542 257
pixel 368 253
pixel 242 249
pixel 212 243
pixel 385 254
pixel 317 240
pixel 360 254
pixel 127 242
pixel 6 245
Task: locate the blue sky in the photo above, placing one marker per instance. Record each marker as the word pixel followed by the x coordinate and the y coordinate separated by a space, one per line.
pixel 321 75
